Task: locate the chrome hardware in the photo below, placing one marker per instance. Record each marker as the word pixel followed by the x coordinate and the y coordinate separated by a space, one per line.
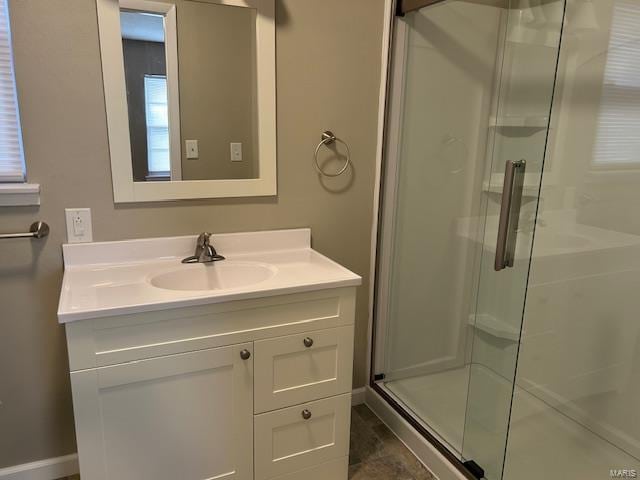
pixel 509 214
pixel 327 139
pixel 245 354
pixel 205 253
pixel 308 342
pixel 306 414
pixel 37 230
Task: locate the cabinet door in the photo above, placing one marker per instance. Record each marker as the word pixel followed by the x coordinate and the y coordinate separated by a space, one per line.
pixel 186 416
pixel 303 367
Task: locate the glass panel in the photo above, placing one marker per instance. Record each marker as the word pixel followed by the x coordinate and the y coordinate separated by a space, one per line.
pixel 519 125
pixel 472 89
pixel 575 409
pixel 449 70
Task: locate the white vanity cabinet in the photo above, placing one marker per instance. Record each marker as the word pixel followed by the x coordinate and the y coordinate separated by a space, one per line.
pixel 249 389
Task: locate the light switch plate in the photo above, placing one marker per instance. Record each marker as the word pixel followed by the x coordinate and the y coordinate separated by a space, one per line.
pixel 79 228
pixel 236 152
pixel 192 149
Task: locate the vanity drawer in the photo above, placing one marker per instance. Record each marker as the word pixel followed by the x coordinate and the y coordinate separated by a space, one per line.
pixel 302 367
pixel 106 341
pixel 296 438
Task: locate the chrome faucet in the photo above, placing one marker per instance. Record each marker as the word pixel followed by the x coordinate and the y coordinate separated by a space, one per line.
pixel 205 253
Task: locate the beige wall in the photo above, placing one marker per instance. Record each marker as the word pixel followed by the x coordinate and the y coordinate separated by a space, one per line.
pixel 328 68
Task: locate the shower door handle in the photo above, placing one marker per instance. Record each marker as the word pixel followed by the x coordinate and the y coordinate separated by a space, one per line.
pixel 509 214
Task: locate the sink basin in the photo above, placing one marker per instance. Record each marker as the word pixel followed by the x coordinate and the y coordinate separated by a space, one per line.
pixel 222 275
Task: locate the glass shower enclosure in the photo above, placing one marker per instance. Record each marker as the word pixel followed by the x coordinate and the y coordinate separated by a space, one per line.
pixel 471 90
pixel 507 329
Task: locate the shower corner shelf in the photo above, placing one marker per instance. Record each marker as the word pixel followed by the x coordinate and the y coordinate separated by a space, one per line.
pixel 520 121
pixel 494 326
pixel 533 37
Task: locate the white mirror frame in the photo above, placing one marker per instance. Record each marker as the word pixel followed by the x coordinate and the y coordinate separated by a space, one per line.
pixel 125 190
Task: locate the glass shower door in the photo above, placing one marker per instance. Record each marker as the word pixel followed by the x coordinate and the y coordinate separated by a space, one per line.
pixel 470 101
pixel 575 409
pixel 520 131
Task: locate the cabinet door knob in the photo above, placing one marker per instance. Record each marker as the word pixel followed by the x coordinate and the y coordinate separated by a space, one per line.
pixel 306 414
pixel 245 354
pixel 308 341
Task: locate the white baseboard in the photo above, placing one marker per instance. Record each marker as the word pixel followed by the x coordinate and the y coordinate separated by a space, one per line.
pixel 421 448
pixel 48 469
pixel 358 396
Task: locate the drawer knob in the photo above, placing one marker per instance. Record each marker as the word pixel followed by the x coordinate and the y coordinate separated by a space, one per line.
pixel 306 414
pixel 245 354
pixel 308 342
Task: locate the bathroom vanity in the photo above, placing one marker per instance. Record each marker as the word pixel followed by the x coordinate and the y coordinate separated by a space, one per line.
pixel 239 369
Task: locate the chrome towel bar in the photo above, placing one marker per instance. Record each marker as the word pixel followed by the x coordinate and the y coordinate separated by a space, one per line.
pixel 37 230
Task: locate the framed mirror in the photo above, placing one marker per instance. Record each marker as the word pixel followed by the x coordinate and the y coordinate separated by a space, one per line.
pixel 190 97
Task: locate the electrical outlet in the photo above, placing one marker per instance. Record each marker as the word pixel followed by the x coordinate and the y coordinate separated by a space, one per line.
pixel 192 149
pixel 236 152
pixel 79 228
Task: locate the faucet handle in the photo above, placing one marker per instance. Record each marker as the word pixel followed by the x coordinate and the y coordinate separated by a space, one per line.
pixel 205 252
pixel 203 239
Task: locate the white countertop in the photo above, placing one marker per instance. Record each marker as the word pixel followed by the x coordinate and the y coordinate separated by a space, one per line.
pixel 104 279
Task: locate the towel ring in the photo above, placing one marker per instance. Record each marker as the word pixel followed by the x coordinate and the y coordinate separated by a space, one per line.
pixel 327 139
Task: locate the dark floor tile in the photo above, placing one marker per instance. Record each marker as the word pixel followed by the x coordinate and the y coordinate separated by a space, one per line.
pixel 364 443
pixel 383 468
pixel 383 432
pixel 367 415
pixel 376 453
pixel 357 422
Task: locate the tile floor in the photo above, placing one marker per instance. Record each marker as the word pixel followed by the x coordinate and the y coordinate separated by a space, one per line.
pixel 375 452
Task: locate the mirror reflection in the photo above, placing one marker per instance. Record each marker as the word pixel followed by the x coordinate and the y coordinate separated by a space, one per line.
pixel 190 74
